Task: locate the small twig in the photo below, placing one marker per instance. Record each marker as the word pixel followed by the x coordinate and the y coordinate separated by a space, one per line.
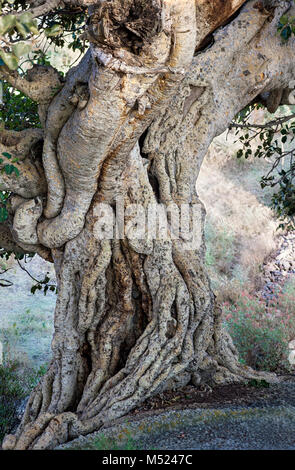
pixel 5 282
pixel 270 124
pixel 30 275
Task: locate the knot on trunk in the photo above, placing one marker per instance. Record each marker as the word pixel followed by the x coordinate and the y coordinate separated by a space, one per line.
pixel 125 24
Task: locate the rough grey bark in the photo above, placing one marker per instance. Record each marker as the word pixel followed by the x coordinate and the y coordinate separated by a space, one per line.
pixel 136 316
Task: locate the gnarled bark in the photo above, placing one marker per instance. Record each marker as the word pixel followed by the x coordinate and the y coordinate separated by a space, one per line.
pixel 136 315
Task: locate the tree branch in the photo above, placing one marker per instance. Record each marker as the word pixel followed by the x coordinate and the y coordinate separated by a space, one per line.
pixel 19 143
pixel 41 9
pixel 7 242
pixel 267 125
pixel 211 15
pixel 40 83
pixel 29 181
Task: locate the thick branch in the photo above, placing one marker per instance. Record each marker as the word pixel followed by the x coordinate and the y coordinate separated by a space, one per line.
pixel 29 181
pixel 212 14
pixel 19 143
pixel 40 83
pixel 42 8
pixel 7 241
pixel 109 119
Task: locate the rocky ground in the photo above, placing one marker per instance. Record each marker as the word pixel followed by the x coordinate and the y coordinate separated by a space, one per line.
pixel 278 267
pixel 237 417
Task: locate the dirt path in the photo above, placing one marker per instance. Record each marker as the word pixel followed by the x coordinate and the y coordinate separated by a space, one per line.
pixel 230 417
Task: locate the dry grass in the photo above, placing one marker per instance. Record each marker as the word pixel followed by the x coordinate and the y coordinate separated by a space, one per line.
pixel 241 229
pixel 26 320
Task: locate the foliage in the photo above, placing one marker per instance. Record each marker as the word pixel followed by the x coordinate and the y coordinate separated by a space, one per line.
pixel 286 27
pixel 14 387
pixel 39 284
pixel 273 141
pixel 262 331
pixel 108 443
pixel 17 111
pixel 63 28
pixel 34 377
pixel 44 285
pixel 3 206
pixel 11 392
pixel 10 169
pixel 272 137
pixel 19 33
pixel 258 383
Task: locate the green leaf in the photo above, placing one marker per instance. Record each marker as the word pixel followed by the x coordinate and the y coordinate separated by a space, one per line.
pixel 28 23
pixel 10 60
pixel 284 20
pixel 54 30
pixel 7 23
pixel 22 29
pixel 8 169
pixel 7 155
pixel 21 48
pixel 286 33
pixel 3 214
pixel 33 289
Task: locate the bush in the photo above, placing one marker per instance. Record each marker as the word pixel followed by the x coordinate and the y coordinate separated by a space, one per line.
pixel 16 383
pixel 11 392
pixel 18 112
pixel 262 332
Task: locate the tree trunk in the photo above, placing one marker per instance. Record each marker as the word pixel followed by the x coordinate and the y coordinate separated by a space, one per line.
pixel 136 315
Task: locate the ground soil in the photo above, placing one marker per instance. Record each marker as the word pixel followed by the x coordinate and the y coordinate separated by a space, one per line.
pixel 236 417
pixel 191 397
